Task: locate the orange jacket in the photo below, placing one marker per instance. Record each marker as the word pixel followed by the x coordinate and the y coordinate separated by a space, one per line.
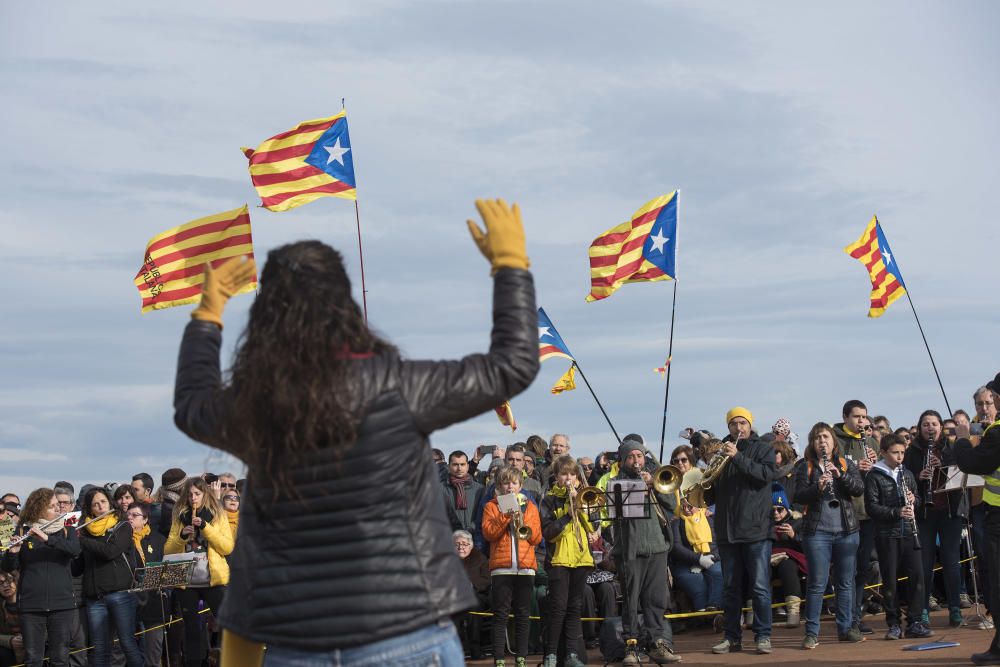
pixel 496 530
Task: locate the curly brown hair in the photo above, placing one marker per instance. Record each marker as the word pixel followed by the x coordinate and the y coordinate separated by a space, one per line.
pixel 36 504
pixel 289 383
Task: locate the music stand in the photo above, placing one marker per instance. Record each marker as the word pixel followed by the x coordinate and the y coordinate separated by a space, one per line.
pixel 157 577
pixel 625 503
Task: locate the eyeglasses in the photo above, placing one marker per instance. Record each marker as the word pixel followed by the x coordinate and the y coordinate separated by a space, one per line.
pixel 227 485
pixel 679 459
pixel 236 498
pixel 588 466
pixel 67 503
pixel 465 545
pixel 134 515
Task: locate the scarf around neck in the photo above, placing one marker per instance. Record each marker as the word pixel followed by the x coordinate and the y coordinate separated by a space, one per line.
pixel 461 502
pixel 49 530
pixel 137 537
pixel 100 527
pixel 698 531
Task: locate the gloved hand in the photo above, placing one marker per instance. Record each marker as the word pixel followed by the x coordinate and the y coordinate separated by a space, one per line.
pixel 503 242
pixel 221 284
pixel 706 561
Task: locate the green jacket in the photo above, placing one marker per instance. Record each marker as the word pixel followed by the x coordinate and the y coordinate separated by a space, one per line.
pixel 852 445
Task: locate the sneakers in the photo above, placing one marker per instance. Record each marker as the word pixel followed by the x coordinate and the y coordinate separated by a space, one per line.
pixel 726 646
pixel 662 653
pixel 918 630
pixel 955 619
pixel 964 601
pixel 864 628
pixel 500 663
pixel 932 604
pixel 986 624
pixel 895 632
pixel 764 645
pixel 810 642
pixel 852 635
pixel 572 660
pixel 550 661
pixel 925 618
pixel 520 662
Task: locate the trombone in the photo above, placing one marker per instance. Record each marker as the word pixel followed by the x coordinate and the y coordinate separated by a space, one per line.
pixel 666 480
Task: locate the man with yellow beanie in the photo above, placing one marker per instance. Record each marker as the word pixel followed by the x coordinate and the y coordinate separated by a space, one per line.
pixel 742 497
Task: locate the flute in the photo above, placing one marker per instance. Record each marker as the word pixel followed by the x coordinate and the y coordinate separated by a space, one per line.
pixel 96 518
pixel 18 540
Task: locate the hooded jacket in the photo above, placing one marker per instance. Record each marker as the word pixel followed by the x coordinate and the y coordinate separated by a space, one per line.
pixel 855 448
pixel 498 532
pixel 742 494
pixel 884 500
pixel 364 551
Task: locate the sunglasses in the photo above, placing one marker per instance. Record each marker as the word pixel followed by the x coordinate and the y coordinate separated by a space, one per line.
pixel 588 466
pixel 228 485
pixel 236 498
pixel 679 459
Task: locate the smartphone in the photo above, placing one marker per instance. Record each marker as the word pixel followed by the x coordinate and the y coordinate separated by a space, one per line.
pixel 211 477
pixel 486 450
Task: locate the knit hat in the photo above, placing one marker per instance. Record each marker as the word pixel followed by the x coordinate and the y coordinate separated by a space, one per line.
pixel 994 384
pixel 782 427
pixel 739 412
pixel 631 443
pixel 172 476
pixel 778 496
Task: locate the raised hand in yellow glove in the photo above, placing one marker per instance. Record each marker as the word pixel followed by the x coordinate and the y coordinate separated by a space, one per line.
pixel 503 241
pixel 221 284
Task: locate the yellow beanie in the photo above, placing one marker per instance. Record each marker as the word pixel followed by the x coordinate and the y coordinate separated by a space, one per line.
pixel 739 412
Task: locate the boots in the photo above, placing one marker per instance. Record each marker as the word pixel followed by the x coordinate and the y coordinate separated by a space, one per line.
pixel 793 604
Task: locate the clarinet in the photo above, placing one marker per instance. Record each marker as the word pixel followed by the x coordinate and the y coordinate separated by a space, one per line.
pixel 829 494
pixel 907 503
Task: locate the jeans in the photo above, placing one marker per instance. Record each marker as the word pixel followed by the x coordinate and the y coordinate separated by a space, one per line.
pixel 822 549
pixel 752 559
pixel 863 565
pixel 118 608
pixel 704 588
pixel 435 645
pixel 949 528
pixel 54 626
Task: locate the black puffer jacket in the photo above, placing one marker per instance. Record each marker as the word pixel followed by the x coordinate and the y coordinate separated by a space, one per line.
pixel 108 561
pixel 884 500
pixel 46 582
pixel 366 553
pixel 742 494
pixel 846 487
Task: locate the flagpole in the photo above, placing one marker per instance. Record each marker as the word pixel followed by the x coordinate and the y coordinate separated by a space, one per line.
pixel 596 400
pixel 361 254
pixel 670 354
pixel 933 365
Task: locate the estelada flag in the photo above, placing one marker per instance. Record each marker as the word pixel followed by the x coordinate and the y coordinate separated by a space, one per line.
pixel 873 251
pixel 640 250
pixel 311 160
pixel 550 343
pixel 505 414
pixel 173 268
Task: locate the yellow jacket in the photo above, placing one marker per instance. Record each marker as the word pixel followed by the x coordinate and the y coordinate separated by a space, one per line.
pixel 220 540
pixel 558 530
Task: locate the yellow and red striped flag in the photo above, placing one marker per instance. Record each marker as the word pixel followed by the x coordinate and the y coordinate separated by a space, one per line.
pixel 311 160
pixel 174 265
pixel 872 250
pixel 505 414
pixel 640 250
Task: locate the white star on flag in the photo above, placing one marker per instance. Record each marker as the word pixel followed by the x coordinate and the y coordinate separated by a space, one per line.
pixel 887 257
pixel 336 152
pixel 543 332
pixel 658 240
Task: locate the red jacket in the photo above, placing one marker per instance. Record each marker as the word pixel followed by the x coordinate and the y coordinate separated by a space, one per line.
pixel 496 530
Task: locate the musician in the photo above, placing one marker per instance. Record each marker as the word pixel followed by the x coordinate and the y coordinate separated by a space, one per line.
pixel 45 599
pixel 942 513
pixel 149 548
pixel 107 552
pixel 892 503
pixel 826 484
pixel 320 408
pixel 984 459
pixel 743 530
pixel 640 552
pixel 512 564
pixel 862 450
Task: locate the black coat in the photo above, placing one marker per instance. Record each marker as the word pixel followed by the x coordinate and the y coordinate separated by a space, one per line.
pixel 916 456
pixel 681 554
pixel 151 612
pixel 363 550
pixel 742 494
pixel 846 487
pixel 883 502
pixel 981 460
pixel 108 561
pixel 46 581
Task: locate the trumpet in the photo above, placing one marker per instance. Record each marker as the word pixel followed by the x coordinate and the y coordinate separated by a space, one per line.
pixel 696 482
pixel 573 516
pixel 521 529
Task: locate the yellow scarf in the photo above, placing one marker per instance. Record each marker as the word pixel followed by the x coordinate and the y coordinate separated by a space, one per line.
pixel 102 526
pixel 698 531
pixel 137 538
pixel 234 520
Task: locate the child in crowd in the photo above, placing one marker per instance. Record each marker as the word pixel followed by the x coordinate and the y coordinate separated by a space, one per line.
pixel 512 564
pixel 892 504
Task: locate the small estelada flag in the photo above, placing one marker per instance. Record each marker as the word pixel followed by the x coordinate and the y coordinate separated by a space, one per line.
pixel 872 250
pixel 505 414
pixel 173 267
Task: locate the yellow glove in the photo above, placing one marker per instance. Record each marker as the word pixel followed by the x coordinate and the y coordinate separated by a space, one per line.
pixel 503 241
pixel 220 284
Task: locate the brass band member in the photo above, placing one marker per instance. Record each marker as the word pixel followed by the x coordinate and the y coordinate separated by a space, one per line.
pixel 643 568
pixel 742 497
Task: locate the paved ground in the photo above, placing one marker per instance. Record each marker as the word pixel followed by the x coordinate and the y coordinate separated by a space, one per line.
pixel 694 646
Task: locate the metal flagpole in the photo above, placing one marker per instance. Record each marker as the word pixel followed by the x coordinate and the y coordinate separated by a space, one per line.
pixel 670 354
pixel 361 254
pixel 933 365
pixel 598 402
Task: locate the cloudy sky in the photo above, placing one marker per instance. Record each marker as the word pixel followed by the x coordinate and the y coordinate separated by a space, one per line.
pixel 785 125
